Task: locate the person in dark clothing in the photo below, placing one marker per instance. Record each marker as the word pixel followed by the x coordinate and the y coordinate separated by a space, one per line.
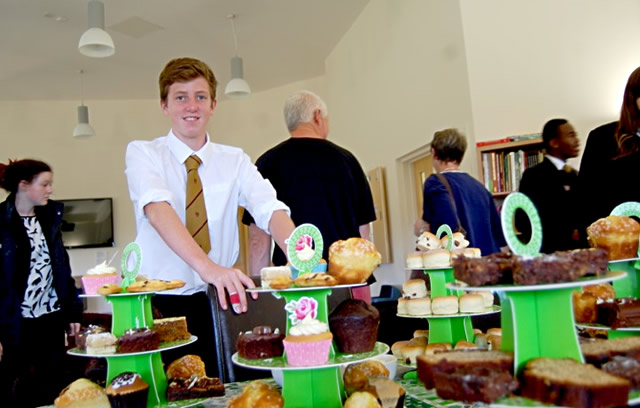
pixel 321 182
pixel 470 206
pixel 38 297
pixel 609 162
pixel 551 186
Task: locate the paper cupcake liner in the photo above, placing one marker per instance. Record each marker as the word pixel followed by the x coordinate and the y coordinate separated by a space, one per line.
pixel 92 283
pixel 305 354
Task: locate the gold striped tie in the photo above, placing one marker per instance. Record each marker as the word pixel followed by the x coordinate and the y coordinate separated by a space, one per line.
pixel 196 211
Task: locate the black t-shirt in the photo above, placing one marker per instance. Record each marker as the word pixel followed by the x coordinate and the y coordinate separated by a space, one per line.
pixel 323 184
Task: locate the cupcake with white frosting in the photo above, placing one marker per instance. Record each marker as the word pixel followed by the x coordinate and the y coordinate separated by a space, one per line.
pixel 308 343
pixel 97 276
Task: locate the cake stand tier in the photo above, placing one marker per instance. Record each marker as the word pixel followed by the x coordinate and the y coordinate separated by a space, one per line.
pixel 490 310
pixel 338 360
pixel 537 320
pixel 170 345
pixel 299 288
pixel 612 333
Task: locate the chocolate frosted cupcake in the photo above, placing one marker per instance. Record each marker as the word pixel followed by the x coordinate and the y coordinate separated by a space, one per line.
pixel 354 325
pixel 128 390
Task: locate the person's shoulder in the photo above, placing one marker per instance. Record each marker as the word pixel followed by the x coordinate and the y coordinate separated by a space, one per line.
pixel 226 149
pixel 153 144
pixel 605 129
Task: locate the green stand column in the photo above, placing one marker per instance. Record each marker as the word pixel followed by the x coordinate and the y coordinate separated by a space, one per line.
pixel 630 285
pixel 313 387
pixel 538 323
pixel 447 329
pixel 129 312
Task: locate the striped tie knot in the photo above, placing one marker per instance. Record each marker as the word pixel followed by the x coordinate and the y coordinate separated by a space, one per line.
pixel 193 162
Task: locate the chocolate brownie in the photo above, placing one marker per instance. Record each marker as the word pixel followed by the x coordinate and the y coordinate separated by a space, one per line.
pixel 261 342
pixel 135 340
pixel 471 383
pixel 195 387
pixel 619 312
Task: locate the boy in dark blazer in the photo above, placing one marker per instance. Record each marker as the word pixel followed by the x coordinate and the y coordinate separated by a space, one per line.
pixel 552 184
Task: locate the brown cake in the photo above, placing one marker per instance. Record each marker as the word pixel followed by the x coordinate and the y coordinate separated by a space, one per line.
pixel 195 387
pixel 135 340
pixel 471 383
pixel 625 367
pixel 488 270
pixel 171 329
pixel 492 360
pixel 566 382
pixel 354 325
pixel 620 312
pixel 617 235
pixel 261 342
pixel 598 352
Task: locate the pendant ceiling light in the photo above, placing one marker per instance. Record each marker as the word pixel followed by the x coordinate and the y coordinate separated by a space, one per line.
pixel 96 42
pixel 83 128
pixel 237 88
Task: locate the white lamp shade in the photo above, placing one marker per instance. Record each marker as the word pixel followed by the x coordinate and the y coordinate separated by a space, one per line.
pixel 237 88
pixel 83 128
pixel 96 43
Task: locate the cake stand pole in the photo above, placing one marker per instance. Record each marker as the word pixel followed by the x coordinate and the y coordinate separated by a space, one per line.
pixel 452 329
pixel 318 387
pixel 538 323
pixel 630 285
pixel 135 312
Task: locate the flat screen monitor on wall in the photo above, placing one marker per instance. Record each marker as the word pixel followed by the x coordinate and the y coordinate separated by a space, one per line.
pixel 87 223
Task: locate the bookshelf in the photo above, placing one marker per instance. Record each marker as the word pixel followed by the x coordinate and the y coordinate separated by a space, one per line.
pixel 501 162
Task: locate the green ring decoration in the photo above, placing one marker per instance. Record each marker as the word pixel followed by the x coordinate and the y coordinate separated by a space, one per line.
pixel 316 236
pixel 513 202
pixel 445 228
pixel 130 275
pixel 628 209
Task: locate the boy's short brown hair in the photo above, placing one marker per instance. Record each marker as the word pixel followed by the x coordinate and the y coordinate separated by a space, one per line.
pixel 184 70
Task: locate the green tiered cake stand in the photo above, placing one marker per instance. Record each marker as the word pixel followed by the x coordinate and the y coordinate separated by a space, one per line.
pixel 132 311
pixel 628 286
pixel 315 386
pixel 537 320
pixel 447 328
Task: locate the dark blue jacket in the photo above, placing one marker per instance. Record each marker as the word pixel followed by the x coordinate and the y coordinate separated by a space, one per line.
pixel 15 256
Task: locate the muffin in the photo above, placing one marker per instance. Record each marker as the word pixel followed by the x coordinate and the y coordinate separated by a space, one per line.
pixel 82 393
pixel 98 276
pixel 186 366
pixel 617 235
pixel 356 376
pixel 128 390
pixel 353 260
pixel 308 343
pixel 354 323
pixel 257 394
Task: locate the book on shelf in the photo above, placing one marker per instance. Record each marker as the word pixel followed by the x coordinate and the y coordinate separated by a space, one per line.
pixel 502 171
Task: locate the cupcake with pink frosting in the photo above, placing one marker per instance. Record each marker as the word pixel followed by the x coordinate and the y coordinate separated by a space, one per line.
pixel 308 343
pixel 97 276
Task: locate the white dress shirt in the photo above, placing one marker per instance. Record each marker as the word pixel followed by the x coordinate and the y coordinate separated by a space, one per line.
pixel 156 172
pixel 559 163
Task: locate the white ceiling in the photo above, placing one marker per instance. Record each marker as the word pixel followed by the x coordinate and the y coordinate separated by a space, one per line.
pixel 280 41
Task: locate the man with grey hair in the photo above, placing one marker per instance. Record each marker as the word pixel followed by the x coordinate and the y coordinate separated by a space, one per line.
pixel 321 182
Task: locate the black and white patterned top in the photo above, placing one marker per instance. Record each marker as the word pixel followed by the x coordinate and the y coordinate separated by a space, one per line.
pixel 40 297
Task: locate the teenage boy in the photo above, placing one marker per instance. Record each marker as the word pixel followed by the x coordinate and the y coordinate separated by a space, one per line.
pixel 160 173
pixel 551 185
